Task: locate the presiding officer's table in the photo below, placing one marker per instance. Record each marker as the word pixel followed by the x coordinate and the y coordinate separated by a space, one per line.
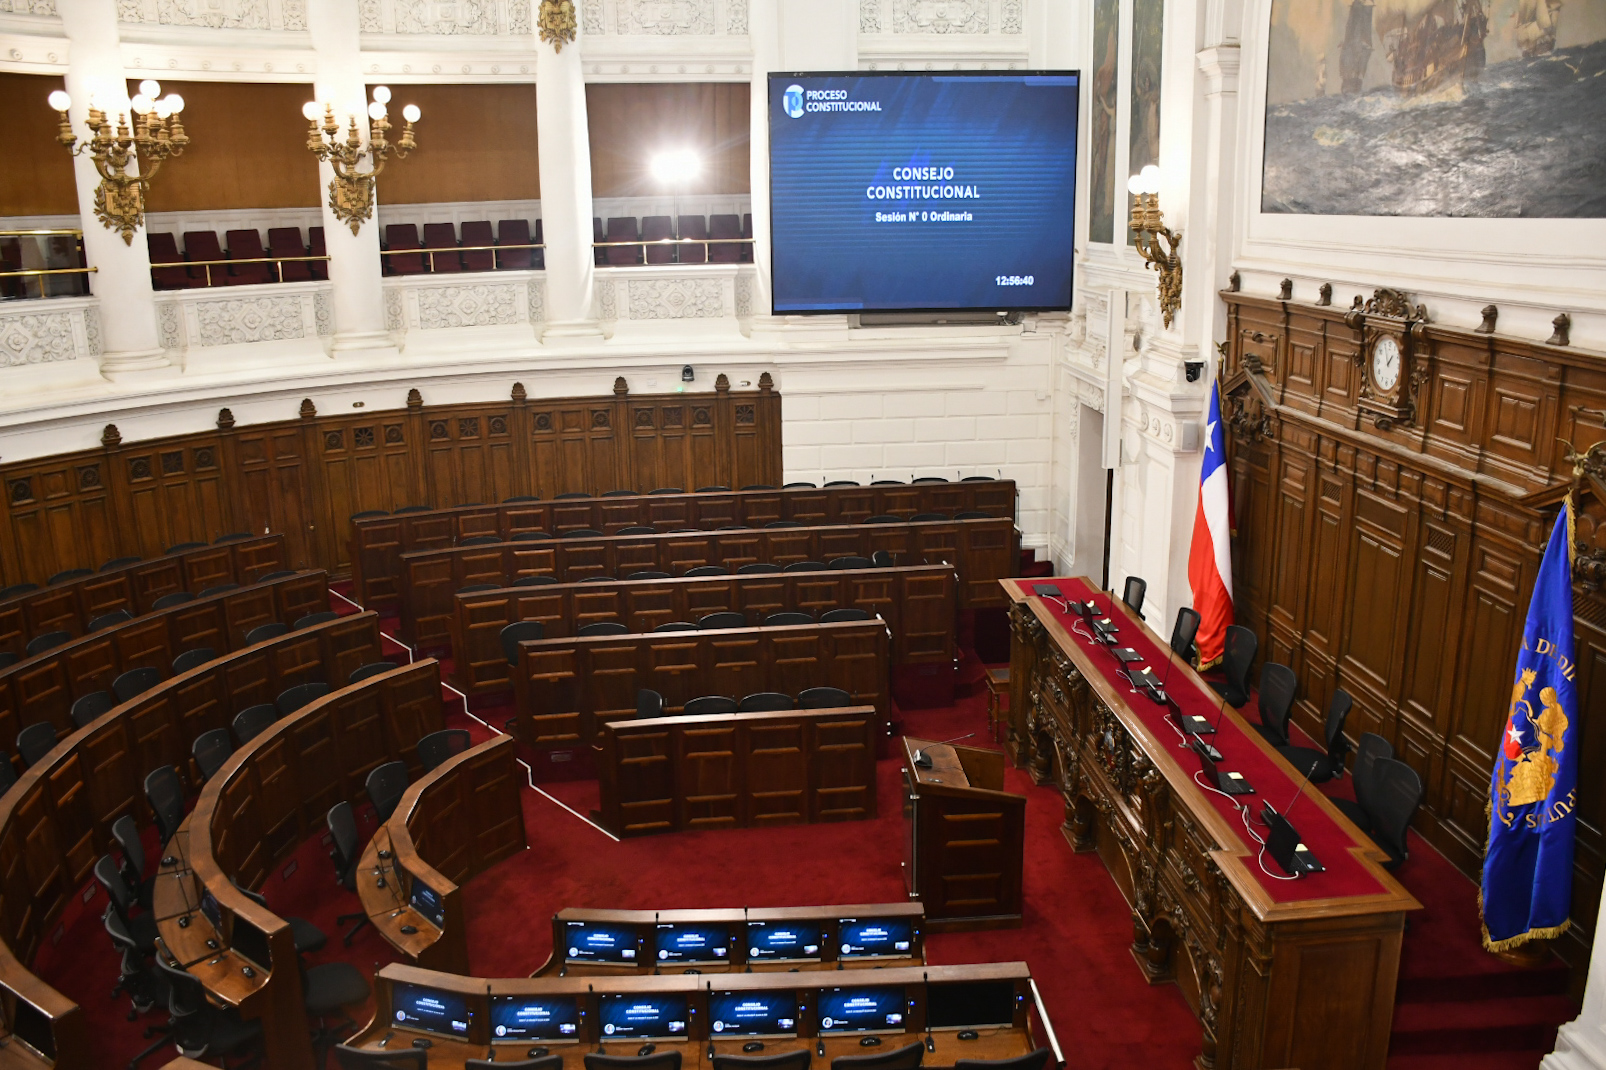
pixel 1281 972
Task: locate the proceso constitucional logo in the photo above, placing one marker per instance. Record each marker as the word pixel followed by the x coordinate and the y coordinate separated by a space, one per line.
pixel 792 101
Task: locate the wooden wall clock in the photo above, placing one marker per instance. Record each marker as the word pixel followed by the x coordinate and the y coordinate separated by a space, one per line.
pixel 1392 357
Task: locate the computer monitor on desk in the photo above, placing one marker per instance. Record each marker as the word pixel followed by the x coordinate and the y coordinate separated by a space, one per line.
pixel 875 938
pixel 429 1009
pixel 589 941
pixel 535 1018
pixel 428 903
pixel 962 1004
pixel 784 941
pixel 690 944
pixel 863 1009
pixel 646 1016
pixel 752 1014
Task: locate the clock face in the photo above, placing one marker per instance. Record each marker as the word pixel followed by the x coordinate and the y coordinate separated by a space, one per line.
pixel 1386 363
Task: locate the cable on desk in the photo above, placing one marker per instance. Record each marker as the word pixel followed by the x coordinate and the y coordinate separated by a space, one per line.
pixel 1261 860
pixel 1218 791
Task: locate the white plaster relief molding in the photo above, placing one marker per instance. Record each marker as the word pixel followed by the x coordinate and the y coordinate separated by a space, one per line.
pixel 940 16
pixel 482 305
pixel 744 296
pixel 170 325
pixel 92 338
pixel 869 16
pixel 536 294
pixel 665 17
pixel 675 299
pixel 475 19
pixel 28 7
pixel 216 61
pixel 323 314
pixel 254 319
pixel 395 315
pixel 260 15
pixel 36 337
pixel 607 306
pixel 28 53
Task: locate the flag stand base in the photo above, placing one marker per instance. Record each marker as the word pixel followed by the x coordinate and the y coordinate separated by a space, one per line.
pixel 1528 956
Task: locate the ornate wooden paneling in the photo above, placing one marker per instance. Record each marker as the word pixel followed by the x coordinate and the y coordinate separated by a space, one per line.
pixel 1395 559
pixel 306 476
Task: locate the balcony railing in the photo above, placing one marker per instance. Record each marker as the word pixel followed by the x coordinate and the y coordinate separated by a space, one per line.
pixel 42 263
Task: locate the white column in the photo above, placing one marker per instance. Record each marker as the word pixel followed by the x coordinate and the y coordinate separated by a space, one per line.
pixel 1581 1043
pixel 354 263
pixel 122 277
pixel 564 144
pixel 763 29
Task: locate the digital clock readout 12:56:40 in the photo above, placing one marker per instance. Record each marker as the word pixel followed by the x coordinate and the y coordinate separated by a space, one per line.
pixel 1015 280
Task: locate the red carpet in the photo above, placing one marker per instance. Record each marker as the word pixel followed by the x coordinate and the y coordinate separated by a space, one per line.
pixel 1454 999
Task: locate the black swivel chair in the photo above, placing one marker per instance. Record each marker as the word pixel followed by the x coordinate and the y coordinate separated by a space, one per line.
pixel 798 485
pixel 35 741
pixel 312 619
pixel 292 699
pixel 540 1062
pixel 164 791
pixel 46 641
pixel 404 510
pixel 852 561
pixel 1237 656
pixel 385 785
pixel 69 574
pixel 1370 749
pixel 89 707
pixel 601 627
pixel 437 747
pixel 765 702
pixel 1184 632
pixel 180 547
pixel 790 616
pixel 708 570
pixel 882 559
pixel 806 566
pixel 836 616
pixel 1396 793
pixel 708 705
pixel 136 682
pixel 648 574
pixel 125 833
pixel 373 668
pixel 367 514
pixel 756 568
pixel 907 1057
pixel 971 514
pixel 191 658
pixel 530 536
pixel 922 518
pixel 253 721
pixel 520 632
pixel 786 1060
pixel 174 598
pixel 110 620
pixel 1322 766
pixel 637 529
pixel 676 626
pixel 649 703
pixel 400 1059
pixel 210 750
pixel 725 618
pixel 1035 1060
pixel 1278 688
pixel 1132 594
pixel 535 581
pixel 141 927
pixel 263 632
pixel 480 540
pixel 307 937
pixel 659 1060
pixel 666 490
pixel 222 588
pixel 345 851
pixel 887 518
pixel 139 980
pixel 784 524
pixel 16 589
pixel 580 533
pixel 199 1029
pixel 824 698
pixel 326 992
pixel 476 588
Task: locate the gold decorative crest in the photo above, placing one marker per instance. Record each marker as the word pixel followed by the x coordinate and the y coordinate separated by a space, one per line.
pixel 1532 776
pixel 557 23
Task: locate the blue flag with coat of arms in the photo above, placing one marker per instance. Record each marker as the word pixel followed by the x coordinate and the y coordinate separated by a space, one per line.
pixel 1533 796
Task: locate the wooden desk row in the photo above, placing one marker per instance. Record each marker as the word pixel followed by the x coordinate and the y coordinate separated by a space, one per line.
pixel 566 688
pixel 253 814
pixel 738 770
pixel 698 1016
pixel 462 818
pixel 56 820
pixel 916 601
pixel 44 687
pixel 71 605
pixel 981 552
pixel 377 543
pixel 1280 973
pixel 623 943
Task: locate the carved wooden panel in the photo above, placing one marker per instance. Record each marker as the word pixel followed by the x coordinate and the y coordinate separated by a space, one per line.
pixel 1397 562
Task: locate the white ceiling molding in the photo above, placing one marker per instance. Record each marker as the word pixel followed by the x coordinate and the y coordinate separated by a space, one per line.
pixel 260 15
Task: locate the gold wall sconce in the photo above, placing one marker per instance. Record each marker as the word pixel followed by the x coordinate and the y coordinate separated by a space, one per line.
pixel 1155 243
pixel 157 135
pixel 351 192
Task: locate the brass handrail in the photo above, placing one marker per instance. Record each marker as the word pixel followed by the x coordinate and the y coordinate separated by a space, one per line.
pixel 673 241
pixel 461 249
pixel 48 271
pixel 41 232
pixel 210 264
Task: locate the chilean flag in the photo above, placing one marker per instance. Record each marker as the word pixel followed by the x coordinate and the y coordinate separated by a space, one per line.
pixel 1210 556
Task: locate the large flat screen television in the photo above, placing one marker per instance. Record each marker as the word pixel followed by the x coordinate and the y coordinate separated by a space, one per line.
pixel 895 192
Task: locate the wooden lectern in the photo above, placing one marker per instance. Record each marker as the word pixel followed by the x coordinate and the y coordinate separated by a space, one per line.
pixel 966 835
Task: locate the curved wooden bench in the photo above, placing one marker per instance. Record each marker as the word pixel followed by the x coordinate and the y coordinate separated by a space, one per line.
pixel 377 543
pixel 981 551
pixel 916 601
pixel 461 819
pixel 72 605
pixel 254 813
pixel 56 820
pixel 44 687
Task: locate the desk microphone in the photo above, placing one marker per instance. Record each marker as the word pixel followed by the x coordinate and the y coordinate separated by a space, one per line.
pixel 710 991
pixel 590 990
pixel 931 1043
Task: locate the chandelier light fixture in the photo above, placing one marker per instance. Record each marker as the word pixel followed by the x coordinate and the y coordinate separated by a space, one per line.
pixel 1155 243
pixel 351 192
pixel 157 134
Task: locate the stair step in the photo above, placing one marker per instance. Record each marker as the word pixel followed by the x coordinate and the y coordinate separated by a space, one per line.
pixel 1507 1024
pixel 1489 1060
pixel 1549 981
